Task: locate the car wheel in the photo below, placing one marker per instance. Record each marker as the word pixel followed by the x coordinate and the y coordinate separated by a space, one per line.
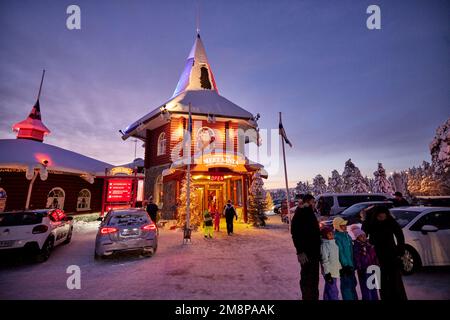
pixel 46 250
pixel 410 261
pixel 148 253
pixel 69 236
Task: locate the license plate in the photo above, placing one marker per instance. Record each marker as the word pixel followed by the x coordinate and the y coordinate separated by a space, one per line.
pixel 4 244
pixel 130 232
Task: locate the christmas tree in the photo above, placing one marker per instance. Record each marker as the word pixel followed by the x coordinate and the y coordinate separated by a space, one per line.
pixel 319 185
pixel 256 201
pixel 335 182
pixel 353 181
pixel 381 183
pixel 196 217
pixel 269 202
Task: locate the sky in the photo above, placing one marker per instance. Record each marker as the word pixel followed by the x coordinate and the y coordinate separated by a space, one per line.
pixel 345 91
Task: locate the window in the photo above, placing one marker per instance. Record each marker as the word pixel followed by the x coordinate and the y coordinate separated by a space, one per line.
pixel 2 199
pixel 55 198
pixel 158 191
pixel 161 149
pixel 347 201
pixel 328 200
pixel 439 219
pixel 84 200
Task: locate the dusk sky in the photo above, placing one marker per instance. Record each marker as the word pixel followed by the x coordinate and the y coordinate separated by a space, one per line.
pixel 345 91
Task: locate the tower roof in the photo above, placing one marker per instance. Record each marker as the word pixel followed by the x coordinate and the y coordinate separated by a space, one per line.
pixel 197 73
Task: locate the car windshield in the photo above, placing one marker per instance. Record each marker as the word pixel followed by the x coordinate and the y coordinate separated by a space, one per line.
pixel 353 210
pixel 20 218
pixel 347 201
pixel 404 217
pixel 128 219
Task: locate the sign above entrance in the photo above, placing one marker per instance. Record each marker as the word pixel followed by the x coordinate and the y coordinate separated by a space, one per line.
pixel 221 159
pixel 116 171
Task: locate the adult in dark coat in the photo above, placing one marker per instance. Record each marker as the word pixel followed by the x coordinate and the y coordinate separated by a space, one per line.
pixel 306 237
pixel 381 228
pixel 230 213
pixel 152 210
pixel 399 201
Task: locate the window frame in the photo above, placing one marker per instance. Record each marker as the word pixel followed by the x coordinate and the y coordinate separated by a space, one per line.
pixel 88 201
pixel 161 147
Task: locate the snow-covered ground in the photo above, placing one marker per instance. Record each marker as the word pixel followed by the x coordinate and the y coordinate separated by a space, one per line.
pixel 251 264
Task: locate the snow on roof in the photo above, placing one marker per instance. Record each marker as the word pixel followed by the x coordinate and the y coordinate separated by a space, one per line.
pixel 21 153
pixel 196 86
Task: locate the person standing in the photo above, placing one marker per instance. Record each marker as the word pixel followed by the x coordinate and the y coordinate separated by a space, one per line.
pixel 207 224
pixel 230 214
pixel 329 253
pixel 305 233
pixel 399 201
pixel 152 209
pixel 365 256
pixel 347 273
pixel 387 237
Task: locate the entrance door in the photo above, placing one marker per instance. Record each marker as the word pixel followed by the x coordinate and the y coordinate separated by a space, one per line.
pixel 215 196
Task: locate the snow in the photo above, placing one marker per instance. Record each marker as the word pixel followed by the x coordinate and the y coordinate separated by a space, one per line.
pixel 21 153
pixel 251 264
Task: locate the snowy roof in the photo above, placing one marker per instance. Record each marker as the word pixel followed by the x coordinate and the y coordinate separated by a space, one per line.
pixel 21 153
pixel 197 87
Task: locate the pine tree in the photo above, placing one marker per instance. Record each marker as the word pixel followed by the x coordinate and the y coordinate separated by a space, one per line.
pixel 269 202
pixel 256 201
pixel 381 183
pixel 335 182
pixel 196 217
pixel 440 157
pixel 319 185
pixel 353 181
pixel 399 182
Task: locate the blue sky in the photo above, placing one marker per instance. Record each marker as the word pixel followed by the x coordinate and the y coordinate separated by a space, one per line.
pixel 345 91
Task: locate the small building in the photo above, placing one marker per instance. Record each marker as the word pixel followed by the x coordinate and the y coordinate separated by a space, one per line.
pixel 216 148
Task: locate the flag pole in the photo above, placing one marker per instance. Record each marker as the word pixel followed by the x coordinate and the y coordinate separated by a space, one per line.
pixel 288 197
pixel 188 173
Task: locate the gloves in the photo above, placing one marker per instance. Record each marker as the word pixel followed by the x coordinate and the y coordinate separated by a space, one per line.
pixel 328 278
pixel 302 258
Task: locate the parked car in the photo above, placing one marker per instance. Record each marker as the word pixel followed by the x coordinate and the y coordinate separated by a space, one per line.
pixel 276 208
pixel 35 231
pixel 433 201
pixel 352 214
pixel 338 202
pixel 126 230
pixel 427 236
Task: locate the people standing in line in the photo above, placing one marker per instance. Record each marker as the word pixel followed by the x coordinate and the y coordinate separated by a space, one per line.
pixel 230 213
pixel 207 224
pixel 306 237
pixel 347 272
pixel 329 253
pixel 152 210
pixel 387 237
pixel 365 256
pixel 399 201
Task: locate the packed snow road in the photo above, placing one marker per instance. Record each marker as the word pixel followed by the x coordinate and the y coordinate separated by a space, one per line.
pixel 251 264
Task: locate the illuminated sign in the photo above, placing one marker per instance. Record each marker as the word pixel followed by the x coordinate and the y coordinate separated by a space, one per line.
pixel 119 190
pixel 121 171
pixel 217 178
pixel 215 159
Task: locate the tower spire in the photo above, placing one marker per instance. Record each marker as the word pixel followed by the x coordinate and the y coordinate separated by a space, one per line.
pixel 32 127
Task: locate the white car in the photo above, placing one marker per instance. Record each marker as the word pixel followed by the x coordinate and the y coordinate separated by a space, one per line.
pixel 35 231
pixel 427 236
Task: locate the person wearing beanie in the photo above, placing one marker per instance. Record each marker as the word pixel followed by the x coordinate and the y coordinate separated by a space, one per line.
pixel 329 252
pixel 365 256
pixel 347 272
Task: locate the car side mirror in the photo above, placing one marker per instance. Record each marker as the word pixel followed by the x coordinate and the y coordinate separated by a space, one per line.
pixel 429 228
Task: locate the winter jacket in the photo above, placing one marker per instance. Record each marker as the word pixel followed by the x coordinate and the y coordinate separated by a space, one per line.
pixel 207 219
pixel 329 253
pixel 230 212
pixel 305 232
pixel 345 244
pixel 364 255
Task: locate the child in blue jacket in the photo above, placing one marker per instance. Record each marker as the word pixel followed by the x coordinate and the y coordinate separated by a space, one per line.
pixel 329 252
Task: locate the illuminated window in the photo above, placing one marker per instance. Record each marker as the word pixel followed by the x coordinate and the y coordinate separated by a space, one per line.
pixel 84 200
pixel 55 199
pixel 161 149
pixel 158 191
pixel 2 199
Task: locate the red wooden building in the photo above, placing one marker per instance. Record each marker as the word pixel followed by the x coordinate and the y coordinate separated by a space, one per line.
pixel 219 168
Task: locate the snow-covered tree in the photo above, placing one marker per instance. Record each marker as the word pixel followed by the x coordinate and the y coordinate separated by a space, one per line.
pixel 303 188
pixel 256 201
pixel 196 217
pixel 353 180
pixel 440 157
pixel 335 182
pixel 319 185
pixel 399 182
pixel 381 183
pixel 269 202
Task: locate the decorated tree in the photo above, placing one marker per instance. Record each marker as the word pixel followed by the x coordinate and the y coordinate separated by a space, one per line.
pixel 319 185
pixel 335 182
pixel 381 184
pixel 196 217
pixel 256 201
pixel 269 202
pixel 353 181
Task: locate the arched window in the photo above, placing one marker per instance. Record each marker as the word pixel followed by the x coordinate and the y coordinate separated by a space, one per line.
pixel 161 149
pixel 84 200
pixel 2 199
pixel 55 198
pixel 158 191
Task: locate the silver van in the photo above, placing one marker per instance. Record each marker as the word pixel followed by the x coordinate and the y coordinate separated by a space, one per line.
pixel 338 202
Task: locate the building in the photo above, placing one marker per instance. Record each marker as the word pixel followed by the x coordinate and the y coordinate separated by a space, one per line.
pixel 220 130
